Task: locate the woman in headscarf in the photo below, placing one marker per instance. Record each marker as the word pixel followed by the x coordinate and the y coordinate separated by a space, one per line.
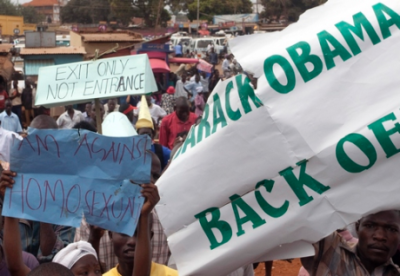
pixel 80 257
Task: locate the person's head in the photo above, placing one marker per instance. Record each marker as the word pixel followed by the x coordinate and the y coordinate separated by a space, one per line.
pixel 379 237
pixel 148 100
pixel 197 78
pixel 127 109
pixel 216 73
pixel 212 50
pixel 93 113
pixel 146 131
pixel 182 109
pixel 112 103
pixel 171 90
pixel 50 269
pixel 44 122
pixel 80 257
pixel 228 57
pixel 69 107
pixel 184 77
pixel 27 83
pixel 8 105
pixel 85 125
pixel 88 108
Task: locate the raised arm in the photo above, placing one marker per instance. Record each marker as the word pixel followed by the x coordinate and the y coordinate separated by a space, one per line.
pixel 142 262
pixel 48 238
pixel 13 248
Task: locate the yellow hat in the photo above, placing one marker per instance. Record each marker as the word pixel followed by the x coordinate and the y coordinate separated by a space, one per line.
pixel 145 119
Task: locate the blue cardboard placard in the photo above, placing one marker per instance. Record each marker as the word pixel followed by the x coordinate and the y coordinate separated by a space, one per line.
pixel 64 174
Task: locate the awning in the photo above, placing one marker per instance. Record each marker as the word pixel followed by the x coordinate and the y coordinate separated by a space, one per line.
pixel 183 60
pixel 159 66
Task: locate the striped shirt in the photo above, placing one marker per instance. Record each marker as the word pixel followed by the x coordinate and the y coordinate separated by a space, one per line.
pixel 334 256
pixel 159 245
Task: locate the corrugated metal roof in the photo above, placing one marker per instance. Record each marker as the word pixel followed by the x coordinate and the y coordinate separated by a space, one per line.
pixel 112 37
pixel 5 48
pixel 41 3
pixel 53 51
pixel 32 66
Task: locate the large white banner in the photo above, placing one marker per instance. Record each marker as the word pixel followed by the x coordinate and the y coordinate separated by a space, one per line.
pixel 315 147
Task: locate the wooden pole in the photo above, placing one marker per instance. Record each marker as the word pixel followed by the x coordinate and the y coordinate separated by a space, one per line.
pixel 98 116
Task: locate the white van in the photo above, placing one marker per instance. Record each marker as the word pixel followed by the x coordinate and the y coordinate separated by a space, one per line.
pixel 185 40
pixel 199 46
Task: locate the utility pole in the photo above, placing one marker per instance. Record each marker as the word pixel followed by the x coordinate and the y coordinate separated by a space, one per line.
pixel 198 16
pixel 257 7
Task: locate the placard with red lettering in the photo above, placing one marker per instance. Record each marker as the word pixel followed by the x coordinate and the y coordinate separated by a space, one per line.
pixel 65 174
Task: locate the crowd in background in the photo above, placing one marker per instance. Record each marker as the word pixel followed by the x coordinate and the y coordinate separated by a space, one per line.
pixel 35 248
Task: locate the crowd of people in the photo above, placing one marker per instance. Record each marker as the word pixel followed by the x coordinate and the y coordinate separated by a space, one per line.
pixel 371 247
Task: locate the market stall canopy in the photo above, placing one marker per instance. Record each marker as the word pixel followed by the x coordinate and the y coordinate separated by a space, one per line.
pixel 183 60
pixel 204 32
pixel 159 66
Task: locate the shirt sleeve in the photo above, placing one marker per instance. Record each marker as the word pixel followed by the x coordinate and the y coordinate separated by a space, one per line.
pixel 65 235
pixel 162 112
pixel 166 154
pixel 59 121
pixel 19 128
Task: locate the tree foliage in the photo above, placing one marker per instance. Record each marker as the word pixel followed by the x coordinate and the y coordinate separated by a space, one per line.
pixel 291 9
pixel 93 11
pixel 122 10
pixel 29 13
pixel 209 8
pixel 86 11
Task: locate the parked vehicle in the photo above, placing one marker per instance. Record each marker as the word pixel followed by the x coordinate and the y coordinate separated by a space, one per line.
pixel 186 41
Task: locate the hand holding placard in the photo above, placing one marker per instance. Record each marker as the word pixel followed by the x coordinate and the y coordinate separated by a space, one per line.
pixel 63 175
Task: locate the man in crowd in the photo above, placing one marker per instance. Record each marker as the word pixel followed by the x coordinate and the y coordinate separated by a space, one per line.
pixel 226 68
pixel 180 87
pixel 15 96
pixel 111 106
pixel 88 110
pixel 180 120
pixel 178 50
pixel 9 120
pixel 27 99
pixel 157 113
pixel 3 97
pixel 213 58
pixel 69 118
pixel 379 239
pixel 193 86
pixel 126 248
